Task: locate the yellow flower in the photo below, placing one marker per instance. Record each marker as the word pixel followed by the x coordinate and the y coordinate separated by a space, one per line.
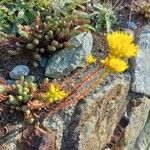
pixel 90 59
pixel 116 65
pixel 55 94
pixel 121 44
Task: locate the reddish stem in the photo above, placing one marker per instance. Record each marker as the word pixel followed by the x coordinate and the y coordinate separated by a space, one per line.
pixel 85 81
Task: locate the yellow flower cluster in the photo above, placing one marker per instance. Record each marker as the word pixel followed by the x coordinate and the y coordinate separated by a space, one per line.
pixel 90 59
pixel 116 65
pixel 120 46
pixel 55 94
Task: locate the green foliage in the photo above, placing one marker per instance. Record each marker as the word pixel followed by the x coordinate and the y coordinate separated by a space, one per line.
pixel 42 4
pixel 20 12
pixel 68 6
pixel 12 14
pixel 102 16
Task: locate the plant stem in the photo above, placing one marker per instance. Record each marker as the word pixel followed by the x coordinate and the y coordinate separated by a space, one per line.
pixel 85 81
pixel 73 76
pixel 94 84
pixel 66 102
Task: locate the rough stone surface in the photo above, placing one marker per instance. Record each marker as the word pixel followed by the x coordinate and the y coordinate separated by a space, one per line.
pixel 90 123
pixel 132 25
pixel 44 62
pixel 143 140
pixel 68 60
pixel 39 139
pixel 141 64
pixel 138 117
pixel 10 82
pixel 59 123
pixel 18 71
pixel 9 142
pixel 95 129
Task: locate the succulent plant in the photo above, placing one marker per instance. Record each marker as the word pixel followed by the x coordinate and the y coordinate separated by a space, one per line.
pixel 43 39
pixel 23 92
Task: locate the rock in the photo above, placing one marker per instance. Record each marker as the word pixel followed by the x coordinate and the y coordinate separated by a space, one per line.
pixel 118 132
pixel 55 123
pixel 18 71
pixel 11 142
pixel 39 139
pixel 90 123
pixel 68 60
pixel 143 140
pixel 138 117
pixel 141 64
pixel 59 123
pixel 131 25
pixel 44 62
pixel 10 82
pixel 99 115
pixel 12 131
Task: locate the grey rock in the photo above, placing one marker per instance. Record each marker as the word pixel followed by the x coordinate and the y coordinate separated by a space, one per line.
pixel 102 109
pixel 68 60
pixel 9 142
pixel 44 62
pixel 88 124
pixel 20 70
pixel 10 82
pixel 138 117
pixel 141 64
pixel 59 123
pixel 143 140
pixel 132 25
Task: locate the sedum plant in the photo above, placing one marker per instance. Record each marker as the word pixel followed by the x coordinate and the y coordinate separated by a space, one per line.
pixel 26 96
pixel 23 92
pixel 43 39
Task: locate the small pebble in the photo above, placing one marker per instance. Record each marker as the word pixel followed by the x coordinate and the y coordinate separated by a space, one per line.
pixel 44 62
pixel 18 71
pixel 132 25
pixel 10 82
